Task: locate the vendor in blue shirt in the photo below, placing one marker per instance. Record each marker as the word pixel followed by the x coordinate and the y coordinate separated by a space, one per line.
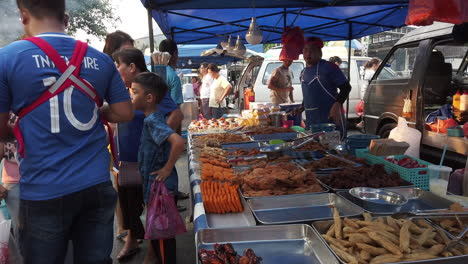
pixel 320 82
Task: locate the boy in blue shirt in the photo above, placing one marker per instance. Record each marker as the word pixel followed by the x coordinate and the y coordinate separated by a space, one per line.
pixel 159 149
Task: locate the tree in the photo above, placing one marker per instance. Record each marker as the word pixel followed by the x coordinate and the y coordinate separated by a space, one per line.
pixel 91 16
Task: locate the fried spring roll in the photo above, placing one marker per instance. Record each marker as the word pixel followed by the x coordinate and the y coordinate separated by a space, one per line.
pixel 344 255
pixel 350 223
pixel 374 251
pixel 385 243
pixel 405 237
pixel 338 224
pixel 386 258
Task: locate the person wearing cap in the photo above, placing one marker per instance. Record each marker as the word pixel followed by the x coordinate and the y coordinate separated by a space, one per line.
pixel 280 84
pixel 320 82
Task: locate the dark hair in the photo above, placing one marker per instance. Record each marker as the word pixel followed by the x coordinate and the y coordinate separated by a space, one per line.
pixel 44 8
pixel 370 63
pixel 204 64
pixel 335 59
pixel 168 45
pixel 129 56
pixel 213 67
pixel 152 83
pixel 115 40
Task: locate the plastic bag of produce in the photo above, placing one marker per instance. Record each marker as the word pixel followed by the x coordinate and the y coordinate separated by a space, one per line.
pixel 293 43
pixel 4 239
pixel 403 133
pixel 425 12
pixel 163 221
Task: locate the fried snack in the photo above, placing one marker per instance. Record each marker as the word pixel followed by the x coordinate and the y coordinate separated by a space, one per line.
pixel 327 163
pixel 415 229
pixel 334 241
pixel 405 237
pixel 367 217
pixel 214 172
pixel 392 222
pixel 455 252
pixel 364 255
pixel 359 238
pixel 377 224
pixel 374 228
pixel 344 255
pixel 385 243
pixel 220 197
pixel 347 230
pixel 418 256
pixel 422 223
pixel 374 251
pixel 338 225
pixel 426 235
pixel 436 249
pixel 385 259
pixel 350 223
pixel 444 237
pixel 331 230
pixel 311 146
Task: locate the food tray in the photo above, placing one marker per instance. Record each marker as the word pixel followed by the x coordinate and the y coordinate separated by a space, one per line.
pixel 418 201
pixel 232 220
pixel 463 219
pixel 303 208
pixel 329 170
pixel 281 136
pixel 240 145
pixel 321 227
pixel 406 184
pixel 291 244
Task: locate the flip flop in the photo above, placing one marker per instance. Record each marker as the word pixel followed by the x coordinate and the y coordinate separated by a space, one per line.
pixel 121 236
pixel 130 253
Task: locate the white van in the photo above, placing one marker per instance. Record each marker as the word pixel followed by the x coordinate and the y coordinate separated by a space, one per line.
pixel 258 72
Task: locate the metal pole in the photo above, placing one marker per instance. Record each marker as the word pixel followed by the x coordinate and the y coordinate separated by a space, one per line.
pixel 151 36
pixel 349 77
pixel 284 18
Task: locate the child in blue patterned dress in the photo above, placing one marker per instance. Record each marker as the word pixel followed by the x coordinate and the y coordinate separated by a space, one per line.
pixel 159 149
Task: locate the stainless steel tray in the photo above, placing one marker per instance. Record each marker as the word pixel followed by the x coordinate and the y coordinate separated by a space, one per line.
pixel 418 201
pixel 304 208
pixel 320 176
pixel 330 170
pixel 232 220
pixel 321 228
pixel 325 190
pixel 281 244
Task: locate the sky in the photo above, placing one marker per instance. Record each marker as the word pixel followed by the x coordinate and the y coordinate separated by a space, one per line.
pixel 134 21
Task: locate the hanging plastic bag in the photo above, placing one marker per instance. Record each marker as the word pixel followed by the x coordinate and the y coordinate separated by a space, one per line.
pixel 163 220
pixel 360 108
pixel 293 43
pixel 403 133
pixel 425 12
pixel 407 112
pixel 4 239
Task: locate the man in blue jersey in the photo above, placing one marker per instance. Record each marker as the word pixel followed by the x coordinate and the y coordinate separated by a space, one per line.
pixel 66 193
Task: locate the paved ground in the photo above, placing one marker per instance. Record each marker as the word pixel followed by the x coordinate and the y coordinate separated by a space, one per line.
pixel 185 242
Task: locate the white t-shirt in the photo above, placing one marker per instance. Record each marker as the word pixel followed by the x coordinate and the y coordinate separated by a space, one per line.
pixel 217 89
pixel 368 73
pixel 205 87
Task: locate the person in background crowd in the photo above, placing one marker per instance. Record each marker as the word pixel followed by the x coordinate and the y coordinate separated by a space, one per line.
pixel 159 150
pixel 172 80
pixel 65 188
pixel 10 190
pixel 130 63
pixel 369 69
pixel 280 84
pixel 207 80
pixel 320 81
pixel 196 83
pixel 219 89
pixel 335 59
pixel 116 41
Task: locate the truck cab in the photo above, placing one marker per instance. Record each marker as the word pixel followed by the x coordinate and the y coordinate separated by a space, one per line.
pixel 427 66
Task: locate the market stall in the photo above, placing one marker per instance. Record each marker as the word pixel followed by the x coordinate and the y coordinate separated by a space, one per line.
pixel 309 203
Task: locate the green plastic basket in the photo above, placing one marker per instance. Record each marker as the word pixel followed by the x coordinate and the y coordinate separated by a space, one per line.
pixel 418 176
pixel 371 159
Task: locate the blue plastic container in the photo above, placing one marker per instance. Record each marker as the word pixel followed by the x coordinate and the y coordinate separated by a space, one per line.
pixel 326 127
pixel 359 141
pixel 288 108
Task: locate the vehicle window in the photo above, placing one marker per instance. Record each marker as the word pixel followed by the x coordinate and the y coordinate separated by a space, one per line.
pixel 360 66
pixel 344 68
pixel 453 54
pixel 399 65
pixel 296 68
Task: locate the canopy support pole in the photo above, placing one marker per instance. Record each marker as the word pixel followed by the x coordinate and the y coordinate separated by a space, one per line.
pixel 284 18
pixel 151 36
pixel 350 36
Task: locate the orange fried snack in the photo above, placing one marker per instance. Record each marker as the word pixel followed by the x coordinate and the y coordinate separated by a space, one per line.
pixel 214 172
pixel 220 197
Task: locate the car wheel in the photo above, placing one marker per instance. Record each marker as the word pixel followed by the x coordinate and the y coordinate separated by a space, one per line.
pixel 384 131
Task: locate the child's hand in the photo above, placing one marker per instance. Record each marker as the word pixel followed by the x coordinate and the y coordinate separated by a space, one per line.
pixel 162 174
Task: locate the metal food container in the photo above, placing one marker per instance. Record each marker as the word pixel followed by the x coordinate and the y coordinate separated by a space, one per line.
pixel 301 208
pixel 379 196
pixel 321 228
pixel 325 190
pixel 281 244
pixel 320 177
pixel 330 170
pixel 244 218
pixel 418 201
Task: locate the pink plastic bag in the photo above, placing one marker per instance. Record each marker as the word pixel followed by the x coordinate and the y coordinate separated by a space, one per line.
pixel 293 43
pixel 425 12
pixel 163 220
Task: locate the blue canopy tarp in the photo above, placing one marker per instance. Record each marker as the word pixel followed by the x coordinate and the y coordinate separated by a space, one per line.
pixel 208 21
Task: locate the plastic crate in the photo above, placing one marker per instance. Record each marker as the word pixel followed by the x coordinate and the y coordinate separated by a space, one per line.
pixel 418 176
pixel 281 136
